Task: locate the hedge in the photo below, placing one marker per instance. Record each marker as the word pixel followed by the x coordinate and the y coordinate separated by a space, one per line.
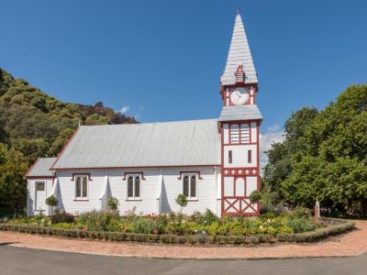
pixel 336 227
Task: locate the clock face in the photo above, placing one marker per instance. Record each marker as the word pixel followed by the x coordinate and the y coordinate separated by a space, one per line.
pixel 239 96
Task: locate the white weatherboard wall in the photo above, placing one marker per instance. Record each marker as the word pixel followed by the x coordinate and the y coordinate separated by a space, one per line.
pixel 157 192
pixel 31 194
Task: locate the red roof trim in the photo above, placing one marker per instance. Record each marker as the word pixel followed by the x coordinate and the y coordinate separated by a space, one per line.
pixel 126 167
pixel 64 148
pixel 40 177
pixel 31 168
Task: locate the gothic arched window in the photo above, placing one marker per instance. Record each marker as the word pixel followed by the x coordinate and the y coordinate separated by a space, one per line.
pixel 189 186
pixel 186 186
pixel 130 187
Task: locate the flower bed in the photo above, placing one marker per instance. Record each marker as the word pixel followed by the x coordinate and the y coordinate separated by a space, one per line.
pixel 296 226
pixel 321 233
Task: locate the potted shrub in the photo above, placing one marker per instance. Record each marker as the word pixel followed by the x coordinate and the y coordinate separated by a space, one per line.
pixel 181 200
pixel 52 202
pixel 113 203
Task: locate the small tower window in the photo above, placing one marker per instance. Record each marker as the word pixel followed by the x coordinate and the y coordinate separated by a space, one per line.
pixel 239 133
pixel 240 75
pixel 245 133
pixel 234 133
pixel 249 156
pixel 230 160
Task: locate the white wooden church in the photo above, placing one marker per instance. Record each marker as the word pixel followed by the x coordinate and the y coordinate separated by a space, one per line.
pixel 215 162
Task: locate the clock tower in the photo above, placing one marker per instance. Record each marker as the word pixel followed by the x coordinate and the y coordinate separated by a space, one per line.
pixel 239 124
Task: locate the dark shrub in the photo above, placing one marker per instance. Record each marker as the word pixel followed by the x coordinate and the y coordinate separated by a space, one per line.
pixel 52 201
pixel 113 203
pixel 62 217
pixel 255 196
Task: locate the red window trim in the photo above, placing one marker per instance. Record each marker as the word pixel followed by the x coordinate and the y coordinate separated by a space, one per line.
pixel 133 173
pixel 189 172
pixel 81 174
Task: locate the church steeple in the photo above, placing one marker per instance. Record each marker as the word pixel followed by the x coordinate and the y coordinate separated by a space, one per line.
pixel 239 125
pixel 239 55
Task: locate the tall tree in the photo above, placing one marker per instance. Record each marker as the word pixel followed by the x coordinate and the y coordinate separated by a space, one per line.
pixel 13 189
pixel 324 155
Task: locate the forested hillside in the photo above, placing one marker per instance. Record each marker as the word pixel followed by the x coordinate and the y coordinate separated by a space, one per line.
pixel 323 157
pixel 34 124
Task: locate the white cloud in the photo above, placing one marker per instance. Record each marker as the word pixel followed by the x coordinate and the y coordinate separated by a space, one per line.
pixel 273 128
pixel 124 109
pixel 273 135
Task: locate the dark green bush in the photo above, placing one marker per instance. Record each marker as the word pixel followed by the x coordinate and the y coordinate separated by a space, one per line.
pixel 62 217
pixel 255 196
pixel 113 203
pixel 52 201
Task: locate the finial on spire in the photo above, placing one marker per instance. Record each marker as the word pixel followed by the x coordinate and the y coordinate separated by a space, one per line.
pixel 238 11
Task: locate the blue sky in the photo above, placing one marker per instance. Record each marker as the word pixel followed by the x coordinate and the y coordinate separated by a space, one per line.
pixel 162 59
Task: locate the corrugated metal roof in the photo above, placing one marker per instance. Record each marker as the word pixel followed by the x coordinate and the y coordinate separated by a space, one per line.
pixel 239 54
pixel 41 168
pixel 181 143
pixel 243 112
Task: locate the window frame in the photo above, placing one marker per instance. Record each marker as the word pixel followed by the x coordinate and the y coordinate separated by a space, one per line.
pixel 189 177
pixel 82 188
pixel 37 183
pixel 239 133
pixel 136 179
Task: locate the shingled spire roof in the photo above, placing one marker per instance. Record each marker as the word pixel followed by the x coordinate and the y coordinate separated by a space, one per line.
pixel 239 54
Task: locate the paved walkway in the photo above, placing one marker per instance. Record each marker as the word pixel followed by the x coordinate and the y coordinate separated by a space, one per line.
pixel 351 244
pixel 24 261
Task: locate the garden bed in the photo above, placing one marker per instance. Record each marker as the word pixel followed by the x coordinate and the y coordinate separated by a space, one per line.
pixel 180 229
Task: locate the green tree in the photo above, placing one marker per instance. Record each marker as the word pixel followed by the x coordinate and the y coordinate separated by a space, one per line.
pixel 324 156
pixel 13 191
pixel 34 124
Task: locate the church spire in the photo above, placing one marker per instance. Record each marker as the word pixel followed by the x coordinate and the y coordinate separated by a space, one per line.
pixel 239 55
